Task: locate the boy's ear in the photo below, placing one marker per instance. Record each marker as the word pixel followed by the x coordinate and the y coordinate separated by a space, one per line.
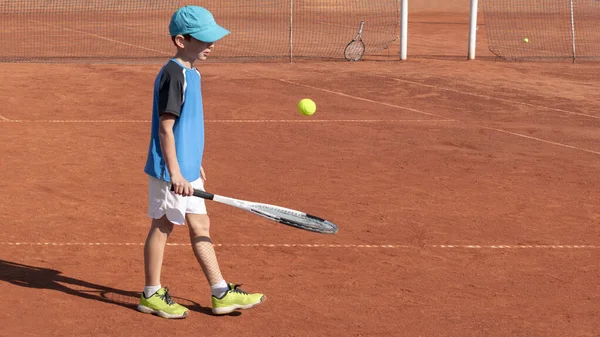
pixel 178 41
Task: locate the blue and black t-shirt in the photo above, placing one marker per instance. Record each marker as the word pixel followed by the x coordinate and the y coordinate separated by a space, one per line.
pixel 177 91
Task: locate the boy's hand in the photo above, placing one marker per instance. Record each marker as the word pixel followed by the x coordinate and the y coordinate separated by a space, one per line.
pixel 181 186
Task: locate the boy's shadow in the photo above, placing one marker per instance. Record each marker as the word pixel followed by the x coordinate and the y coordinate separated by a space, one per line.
pixel 44 278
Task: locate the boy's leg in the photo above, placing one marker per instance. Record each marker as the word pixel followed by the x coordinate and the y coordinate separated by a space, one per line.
pixel 225 297
pixel 154 250
pixel 155 299
pixel 199 225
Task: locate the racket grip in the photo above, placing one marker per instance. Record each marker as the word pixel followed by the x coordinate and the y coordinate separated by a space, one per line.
pixel 199 193
pixel 204 195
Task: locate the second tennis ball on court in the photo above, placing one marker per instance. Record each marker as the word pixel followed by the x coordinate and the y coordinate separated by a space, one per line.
pixel 525 40
pixel 307 107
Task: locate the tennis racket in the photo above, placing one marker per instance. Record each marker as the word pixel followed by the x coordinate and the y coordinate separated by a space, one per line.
pixel 282 215
pixel 356 48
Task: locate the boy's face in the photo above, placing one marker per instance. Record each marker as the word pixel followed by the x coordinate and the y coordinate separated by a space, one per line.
pixel 194 49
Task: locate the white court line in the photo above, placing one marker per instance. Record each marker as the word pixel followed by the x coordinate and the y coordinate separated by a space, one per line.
pixel 101 37
pixel 487 96
pixel 308 245
pixel 346 95
pixel 539 139
pixel 225 121
pixel 2 118
pixel 426 113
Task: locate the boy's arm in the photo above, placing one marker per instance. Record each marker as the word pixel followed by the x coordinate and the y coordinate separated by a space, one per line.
pixel 167 146
pixel 170 100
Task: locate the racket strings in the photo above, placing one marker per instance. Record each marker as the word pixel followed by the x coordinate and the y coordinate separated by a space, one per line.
pixel 355 50
pixel 279 211
pixel 301 220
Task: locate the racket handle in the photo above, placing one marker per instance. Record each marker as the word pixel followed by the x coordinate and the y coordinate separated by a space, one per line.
pixel 199 194
pixel 204 195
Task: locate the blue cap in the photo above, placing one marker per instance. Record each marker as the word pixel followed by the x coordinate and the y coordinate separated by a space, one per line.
pixel 197 22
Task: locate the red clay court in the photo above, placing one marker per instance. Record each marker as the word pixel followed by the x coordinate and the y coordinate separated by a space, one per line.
pixel 466 195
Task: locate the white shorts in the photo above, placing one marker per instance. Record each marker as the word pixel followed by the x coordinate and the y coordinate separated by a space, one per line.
pixel 161 201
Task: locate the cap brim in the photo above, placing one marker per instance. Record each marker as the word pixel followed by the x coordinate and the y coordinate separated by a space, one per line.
pixel 213 34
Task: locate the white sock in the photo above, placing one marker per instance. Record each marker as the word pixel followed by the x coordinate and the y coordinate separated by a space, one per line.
pixel 150 290
pixel 219 289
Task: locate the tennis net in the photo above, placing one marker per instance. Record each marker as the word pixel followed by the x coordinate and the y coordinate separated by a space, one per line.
pixel 543 29
pixel 126 31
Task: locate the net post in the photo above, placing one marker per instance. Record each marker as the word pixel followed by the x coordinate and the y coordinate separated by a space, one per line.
pixel 403 29
pixel 573 32
pixel 291 31
pixel 473 29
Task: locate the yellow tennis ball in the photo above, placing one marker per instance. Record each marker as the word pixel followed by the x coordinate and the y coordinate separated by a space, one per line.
pixel 525 40
pixel 307 107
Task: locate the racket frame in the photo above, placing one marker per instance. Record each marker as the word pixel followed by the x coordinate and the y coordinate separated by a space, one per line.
pixel 254 207
pixel 357 38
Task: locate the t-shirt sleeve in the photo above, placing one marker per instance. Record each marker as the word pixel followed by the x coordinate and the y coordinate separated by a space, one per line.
pixel 170 92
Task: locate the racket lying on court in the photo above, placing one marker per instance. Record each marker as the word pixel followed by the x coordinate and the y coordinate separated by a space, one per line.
pixel 356 48
pixel 282 215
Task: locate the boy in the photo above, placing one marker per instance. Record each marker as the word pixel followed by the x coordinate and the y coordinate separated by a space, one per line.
pixel 175 159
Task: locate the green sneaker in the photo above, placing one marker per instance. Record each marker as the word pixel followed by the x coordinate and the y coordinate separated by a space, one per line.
pixel 161 304
pixel 235 298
